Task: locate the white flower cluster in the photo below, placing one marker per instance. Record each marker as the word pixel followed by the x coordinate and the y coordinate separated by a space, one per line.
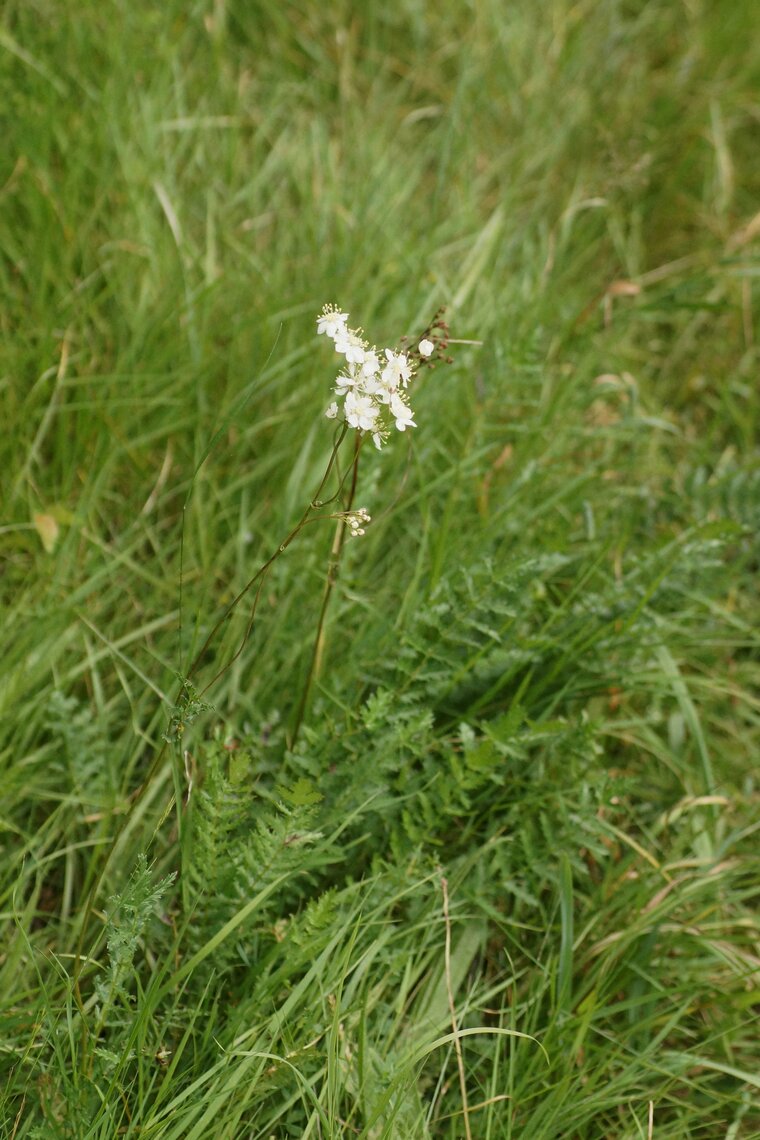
pixel 372 386
pixel 357 520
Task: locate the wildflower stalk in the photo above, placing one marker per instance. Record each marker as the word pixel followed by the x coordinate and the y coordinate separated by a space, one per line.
pixel 375 396
pixel 315 503
pixel 333 566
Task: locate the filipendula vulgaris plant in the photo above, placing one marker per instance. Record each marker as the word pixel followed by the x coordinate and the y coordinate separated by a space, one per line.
pixel 372 399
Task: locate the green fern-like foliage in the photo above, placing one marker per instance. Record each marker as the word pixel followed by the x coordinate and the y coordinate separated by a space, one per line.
pixel 487 722
pixel 243 843
pixel 487 725
pixel 127 918
pixel 549 629
pixel 78 747
pixel 730 491
pixel 495 694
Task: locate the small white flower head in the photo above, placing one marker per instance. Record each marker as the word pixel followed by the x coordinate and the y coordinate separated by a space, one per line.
pixel 361 412
pixel 331 322
pixel 401 412
pixel 357 520
pixel 372 381
pixel 373 386
pixel 349 344
pixel 397 370
pixel 347 380
pixel 370 364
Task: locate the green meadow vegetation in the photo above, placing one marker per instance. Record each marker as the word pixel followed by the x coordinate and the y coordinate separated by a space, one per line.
pixel 498 878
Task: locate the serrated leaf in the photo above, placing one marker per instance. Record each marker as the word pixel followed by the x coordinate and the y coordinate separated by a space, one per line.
pixel 301 794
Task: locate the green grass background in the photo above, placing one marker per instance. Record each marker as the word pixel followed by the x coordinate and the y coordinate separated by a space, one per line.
pixel 541 662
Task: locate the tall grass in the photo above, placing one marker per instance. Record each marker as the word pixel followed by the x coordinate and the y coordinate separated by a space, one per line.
pixel 505 883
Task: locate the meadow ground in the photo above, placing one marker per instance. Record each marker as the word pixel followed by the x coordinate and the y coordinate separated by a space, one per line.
pixel 501 883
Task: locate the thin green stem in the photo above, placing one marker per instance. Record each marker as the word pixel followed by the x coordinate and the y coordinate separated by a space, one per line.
pixel 314 504
pixel 333 566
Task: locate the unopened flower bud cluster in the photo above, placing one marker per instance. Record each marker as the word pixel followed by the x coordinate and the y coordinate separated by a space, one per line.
pixel 372 384
pixel 357 520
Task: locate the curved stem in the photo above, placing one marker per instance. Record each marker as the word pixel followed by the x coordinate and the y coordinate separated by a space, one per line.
pixel 333 565
pixel 314 504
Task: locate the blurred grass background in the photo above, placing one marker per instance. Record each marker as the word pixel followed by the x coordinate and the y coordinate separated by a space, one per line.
pixel 570 541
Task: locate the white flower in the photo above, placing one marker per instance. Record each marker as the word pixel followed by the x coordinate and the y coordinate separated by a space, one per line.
pixel 361 412
pixel 397 370
pixel 372 386
pixel 371 380
pixel 370 364
pixel 384 393
pixel 350 345
pixel 402 413
pixel 331 322
pixel 346 380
